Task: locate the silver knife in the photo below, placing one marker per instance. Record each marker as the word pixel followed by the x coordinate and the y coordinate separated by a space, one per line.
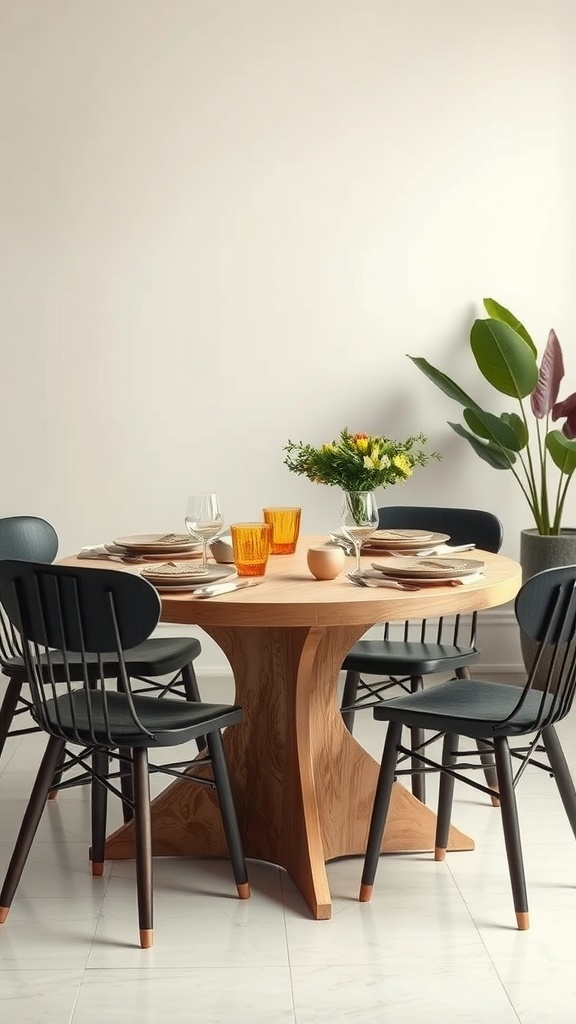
pixel 224 588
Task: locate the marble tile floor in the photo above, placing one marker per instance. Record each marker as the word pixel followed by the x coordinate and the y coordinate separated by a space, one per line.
pixel 438 941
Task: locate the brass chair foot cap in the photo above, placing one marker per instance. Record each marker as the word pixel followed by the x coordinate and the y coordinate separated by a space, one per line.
pixel 4 911
pixel 365 893
pixel 523 921
pixel 244 891
pixel 97 868
pixel 146 938
pixel 495 801
pixel 52 794
pixel 439 853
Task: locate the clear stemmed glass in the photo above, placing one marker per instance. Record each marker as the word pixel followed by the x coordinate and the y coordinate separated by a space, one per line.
pixel 359 518
pixel 203 520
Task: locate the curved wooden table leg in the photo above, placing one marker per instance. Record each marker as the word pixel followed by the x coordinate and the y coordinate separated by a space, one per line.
pixel 303 786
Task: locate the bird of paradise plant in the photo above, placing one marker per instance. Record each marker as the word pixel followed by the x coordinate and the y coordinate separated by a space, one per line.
pixel 507 357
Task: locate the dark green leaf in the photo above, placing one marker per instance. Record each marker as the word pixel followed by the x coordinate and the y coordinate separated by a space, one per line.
pixel 486 451
pixel 498 312
pixel 562 451
pixel 444 383
pixel 503 358
pixel 519 428
pixel 492 428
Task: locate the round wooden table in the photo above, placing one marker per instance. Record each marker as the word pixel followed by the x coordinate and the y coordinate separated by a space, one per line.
pixel 303 785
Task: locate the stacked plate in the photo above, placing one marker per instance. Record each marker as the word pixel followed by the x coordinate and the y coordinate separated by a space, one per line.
pixel 428 570
pixel 180 576
pixel 156 546
pixel 403 540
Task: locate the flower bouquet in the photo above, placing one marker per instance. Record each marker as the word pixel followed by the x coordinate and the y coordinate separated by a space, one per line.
pixel 358 462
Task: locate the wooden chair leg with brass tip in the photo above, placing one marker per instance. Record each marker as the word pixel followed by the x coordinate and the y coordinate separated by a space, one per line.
pixel 380 809
pixel 445 796
pixel 511 828
pixel 30 822
pixel 143 845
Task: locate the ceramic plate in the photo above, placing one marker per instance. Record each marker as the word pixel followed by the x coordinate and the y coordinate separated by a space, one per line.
pixel 392 540
pixel 177 574
pixel 177 553
pixel 151 543
pixel 430 568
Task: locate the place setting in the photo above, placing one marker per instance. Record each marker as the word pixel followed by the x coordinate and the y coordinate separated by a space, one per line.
pixel 423 571
pixel 146 547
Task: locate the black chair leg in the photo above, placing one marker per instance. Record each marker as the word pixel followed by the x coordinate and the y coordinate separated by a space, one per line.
pixel 143 844
pixel 380 809
pixel 349 695
pixel 126 787
pixel 30 823
pixel 8 708
pixel 57 776
pixel 228 811
pixel 561 773
pixel 485 750
pixel 100 761
pixel 446 793
pixel 511 828
pixel 191 689
pixel 417 738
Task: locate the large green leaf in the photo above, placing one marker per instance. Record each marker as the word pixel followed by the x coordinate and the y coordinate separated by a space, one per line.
pixel 485 450
pixel 518 426
pixel 448 386
pixel 498 312
pixel 503 358
pixel 492 428
pixel 562 451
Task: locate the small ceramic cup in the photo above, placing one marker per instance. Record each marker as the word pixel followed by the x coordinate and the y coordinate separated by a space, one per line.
pixel 326 561
pixel 221 549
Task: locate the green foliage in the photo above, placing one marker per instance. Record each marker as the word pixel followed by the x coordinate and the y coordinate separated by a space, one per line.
pixel 358 462
pixel 506 357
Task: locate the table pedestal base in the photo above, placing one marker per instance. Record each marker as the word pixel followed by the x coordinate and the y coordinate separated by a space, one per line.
pixel 303 786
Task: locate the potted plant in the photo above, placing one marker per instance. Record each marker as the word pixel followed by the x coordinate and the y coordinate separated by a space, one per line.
pixel 542 459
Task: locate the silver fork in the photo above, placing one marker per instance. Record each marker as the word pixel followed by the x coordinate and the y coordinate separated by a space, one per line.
pixel 359 581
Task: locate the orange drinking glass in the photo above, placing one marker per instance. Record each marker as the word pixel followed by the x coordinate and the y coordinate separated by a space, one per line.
pixel 251 547
pixel 285 523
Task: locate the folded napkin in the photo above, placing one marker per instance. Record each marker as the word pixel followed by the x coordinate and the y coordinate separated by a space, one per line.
pixel 94 551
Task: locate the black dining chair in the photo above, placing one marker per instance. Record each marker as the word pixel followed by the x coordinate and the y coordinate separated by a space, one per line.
pixel 34 539
pixel 546 611
pixel 428 646
pixel 69 620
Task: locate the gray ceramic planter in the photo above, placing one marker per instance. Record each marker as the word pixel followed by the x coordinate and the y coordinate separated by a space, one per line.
pixel 537 553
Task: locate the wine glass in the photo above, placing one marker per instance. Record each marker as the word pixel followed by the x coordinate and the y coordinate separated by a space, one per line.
pixel 203 520
pixel 359 518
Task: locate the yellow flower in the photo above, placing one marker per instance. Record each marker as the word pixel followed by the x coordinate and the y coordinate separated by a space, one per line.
pixel 368 464
pixel 361 441
pixel 403 464
pixel 329 448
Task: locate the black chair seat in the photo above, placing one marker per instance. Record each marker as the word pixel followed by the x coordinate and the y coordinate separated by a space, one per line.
pixel 171 721
pixel 406 657
pixel 467 707
pixel 154 657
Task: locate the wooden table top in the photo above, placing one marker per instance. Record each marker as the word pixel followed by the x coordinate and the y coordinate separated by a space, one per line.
pixel 290 596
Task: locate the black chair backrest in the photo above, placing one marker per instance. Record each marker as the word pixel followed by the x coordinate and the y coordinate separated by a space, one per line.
pixel 464 525
pixel 80 612
pixel 30 538
pixel 546 612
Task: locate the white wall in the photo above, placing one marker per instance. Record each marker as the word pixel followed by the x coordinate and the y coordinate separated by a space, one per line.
pixel 225 223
